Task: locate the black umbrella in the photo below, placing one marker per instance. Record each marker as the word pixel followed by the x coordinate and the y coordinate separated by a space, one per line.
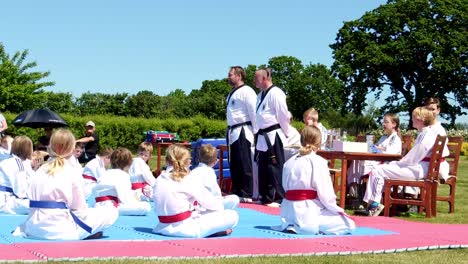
pixel 37 118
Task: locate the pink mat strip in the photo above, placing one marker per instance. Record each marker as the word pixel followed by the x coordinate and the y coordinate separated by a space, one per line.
pixel 411 236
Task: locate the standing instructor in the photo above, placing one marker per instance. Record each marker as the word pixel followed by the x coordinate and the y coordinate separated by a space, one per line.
pixel 272 120
pixel 240 115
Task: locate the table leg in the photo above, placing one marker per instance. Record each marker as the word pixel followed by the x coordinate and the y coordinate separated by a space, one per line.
pixel 220 167
pixel 344 170
pixel 159 158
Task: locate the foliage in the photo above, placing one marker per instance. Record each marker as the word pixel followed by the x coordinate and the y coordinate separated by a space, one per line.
pixel 409 50
pixel 19 87
pixel 306 86
pixel 144 104
pixel 98 103
pixel 57 102
pixel 210 100
pixel 129 132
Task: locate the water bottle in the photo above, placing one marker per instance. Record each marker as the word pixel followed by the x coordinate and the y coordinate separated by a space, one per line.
pixel 344 138
pixel 370 142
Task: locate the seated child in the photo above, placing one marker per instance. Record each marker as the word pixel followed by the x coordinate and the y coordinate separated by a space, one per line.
pixel 15 175
pixel 79 147
pixel 140 173
pixel 38 159
pixel 311 118
pixel 309 206
pixel 389 143
pixel 94 169
pixel 413 166
pixel 173 201
pixel 205 174
pixel 115 189
pixel 58 208
pixel 5 147
pixel 294 141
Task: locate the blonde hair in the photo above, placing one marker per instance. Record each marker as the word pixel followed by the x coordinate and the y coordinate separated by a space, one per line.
pixel 423 114
pixel 62 145
pixel 37 158
pixel 310 140
pixel 121 158
pixel 310 112
pixel 145 147
pixel 105 152
pixel 22 147
pixel 176 156
pixel 6 141
pixel 207 154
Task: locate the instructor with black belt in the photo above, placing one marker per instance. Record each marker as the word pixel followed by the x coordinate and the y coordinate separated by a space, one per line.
pixel 272 120
pixel 240 115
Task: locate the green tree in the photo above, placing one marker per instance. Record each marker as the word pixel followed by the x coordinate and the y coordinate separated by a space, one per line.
pixel 19 87
pixel 144 103
pixel 316 87
pixel 99 103
pixel 58 102
pixel 406 51
pixel 177 104
pixel 210 100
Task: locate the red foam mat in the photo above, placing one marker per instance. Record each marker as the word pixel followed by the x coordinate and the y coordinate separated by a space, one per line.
pixel 409 236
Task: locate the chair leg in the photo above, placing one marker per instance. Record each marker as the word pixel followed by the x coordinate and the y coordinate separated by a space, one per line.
pixel 452 198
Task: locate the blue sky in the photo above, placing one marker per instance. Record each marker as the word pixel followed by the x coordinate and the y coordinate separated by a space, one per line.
pixel 128 46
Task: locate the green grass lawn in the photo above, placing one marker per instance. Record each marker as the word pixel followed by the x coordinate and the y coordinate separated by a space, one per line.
pixel 428 256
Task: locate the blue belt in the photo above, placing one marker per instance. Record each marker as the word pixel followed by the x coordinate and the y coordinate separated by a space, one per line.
pixel 59 205
pixel 5 189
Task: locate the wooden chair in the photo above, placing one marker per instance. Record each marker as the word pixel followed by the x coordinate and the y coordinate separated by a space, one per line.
pixel 454 146
pixel 406 144
pixel 335 174
pixel 427 186
pixel 361 138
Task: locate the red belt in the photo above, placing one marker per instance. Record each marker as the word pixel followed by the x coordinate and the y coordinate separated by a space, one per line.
pixel 138 185
pixel 300 195
pixel 89 177
pixel 108 198
pixel 168 219
pixel 427 159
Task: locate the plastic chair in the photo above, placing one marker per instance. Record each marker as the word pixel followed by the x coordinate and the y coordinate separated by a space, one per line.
pixel 454 146
pixel 428 186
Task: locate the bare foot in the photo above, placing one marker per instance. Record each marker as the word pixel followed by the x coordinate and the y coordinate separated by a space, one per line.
pixel 95 236
pixel 222 233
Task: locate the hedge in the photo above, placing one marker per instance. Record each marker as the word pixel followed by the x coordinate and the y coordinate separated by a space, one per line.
pixel 129 132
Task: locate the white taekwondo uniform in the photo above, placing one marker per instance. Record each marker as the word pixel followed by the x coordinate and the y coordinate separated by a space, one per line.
pixel 240 117
pixel 142 179
pixel 173 203
pixel 311 215
pixel 273 122
pixel 15 176
pixel 65 186
pixel 93 170
pixel 206 176
pixel 410 167
pixel 115 189
pixel 390 144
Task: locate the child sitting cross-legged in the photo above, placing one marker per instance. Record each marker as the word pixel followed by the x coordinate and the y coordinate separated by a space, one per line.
pixel 173 202
pixel 205 175
pixel 94 169
pixel 140 173
pixel 115 189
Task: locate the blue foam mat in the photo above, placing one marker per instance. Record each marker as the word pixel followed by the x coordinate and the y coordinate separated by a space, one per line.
pixel 252 224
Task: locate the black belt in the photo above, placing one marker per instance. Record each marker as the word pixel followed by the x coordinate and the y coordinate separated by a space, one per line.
pixel 269 129
pixel 248 123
